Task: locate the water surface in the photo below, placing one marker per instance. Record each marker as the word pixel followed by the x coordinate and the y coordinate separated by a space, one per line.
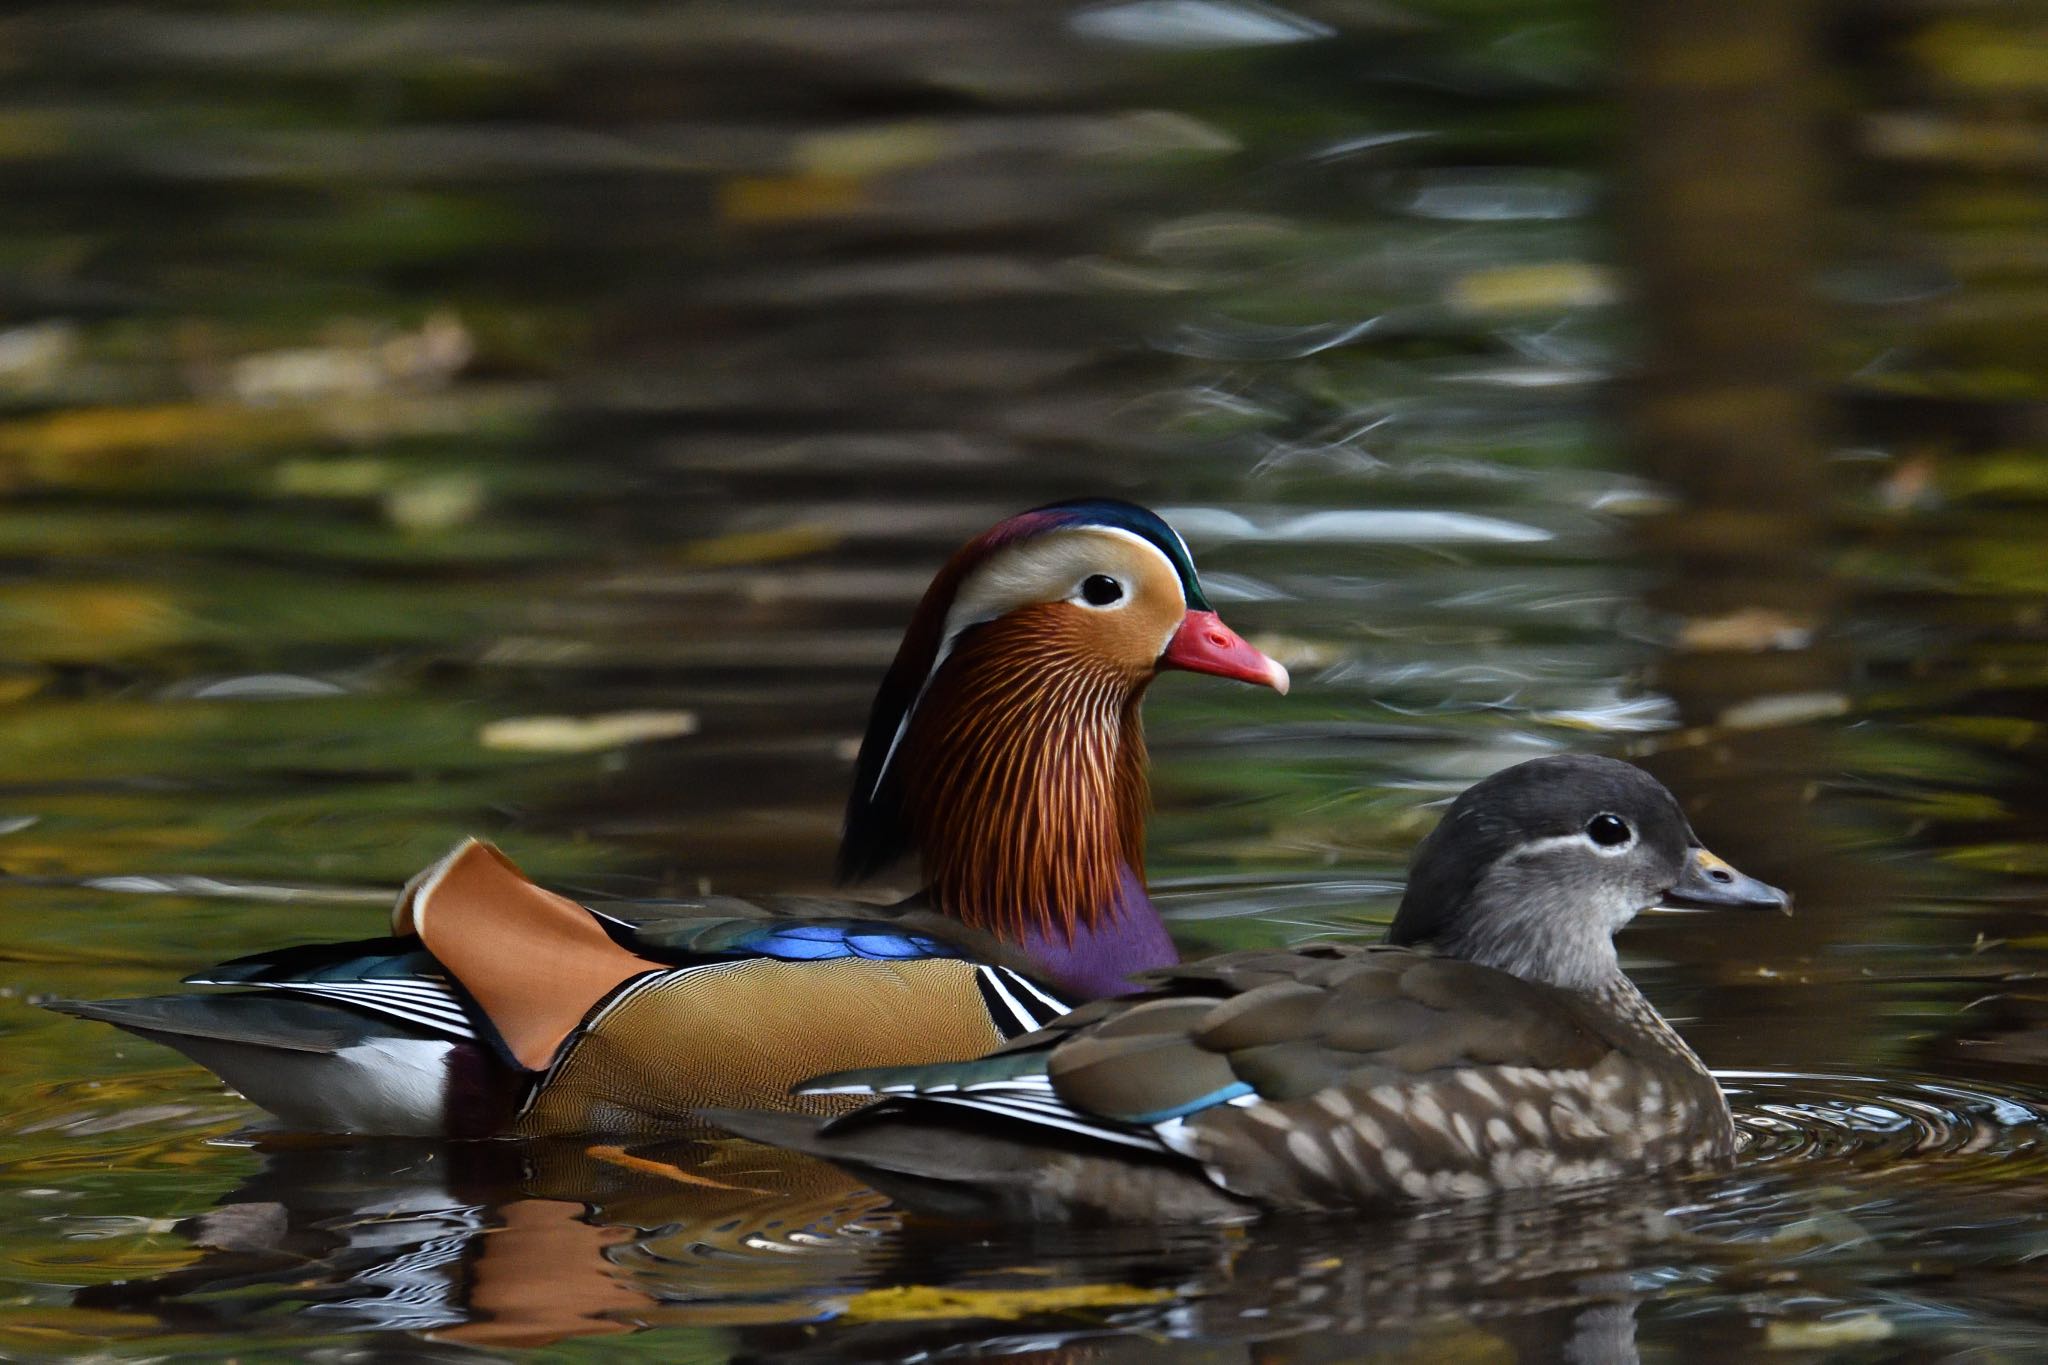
pixel 422 421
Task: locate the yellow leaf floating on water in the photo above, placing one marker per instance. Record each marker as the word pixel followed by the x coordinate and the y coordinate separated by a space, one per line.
pixel 27 135
pixel 21 686
pixel 760 547
pixel 583 734
pixel 789 198
pixel 1533 288
pixel 54 443
pixel 1817 1335
pixel 80 622
pixel 871 150
pixel 1985 55
pixel 911 1302
pixel 356 476
pixel 437 504
pixel 55 1322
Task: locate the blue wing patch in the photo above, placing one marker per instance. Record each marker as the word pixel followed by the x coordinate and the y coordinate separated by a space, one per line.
pixel 1181 1111
pixel 823 941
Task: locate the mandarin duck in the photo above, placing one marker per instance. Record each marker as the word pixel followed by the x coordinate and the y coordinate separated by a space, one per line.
pixel 1004 750
pixel 1492 1043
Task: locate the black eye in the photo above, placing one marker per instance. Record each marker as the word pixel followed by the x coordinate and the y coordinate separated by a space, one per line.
pixel 1608 830
pixel 1099 590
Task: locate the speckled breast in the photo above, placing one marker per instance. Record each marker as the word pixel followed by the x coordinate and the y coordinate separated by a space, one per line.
pixel 1467 1133
pixel 742 1034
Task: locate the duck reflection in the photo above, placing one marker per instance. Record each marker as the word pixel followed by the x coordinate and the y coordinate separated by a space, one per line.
pixel 519 1244
pixel 513 1243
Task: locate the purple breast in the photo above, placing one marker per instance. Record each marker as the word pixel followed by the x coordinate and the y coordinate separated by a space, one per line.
pixel 1100 959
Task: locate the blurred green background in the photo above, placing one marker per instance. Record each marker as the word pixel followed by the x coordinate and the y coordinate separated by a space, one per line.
pixel 537 421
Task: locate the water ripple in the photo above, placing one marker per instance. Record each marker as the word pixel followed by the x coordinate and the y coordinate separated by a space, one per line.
pixel 1857 1121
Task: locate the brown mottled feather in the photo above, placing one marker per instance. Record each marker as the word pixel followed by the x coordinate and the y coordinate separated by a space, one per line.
pixel 1548 1027
pixel 1289 1070
pixel 1272 1013
pixel 1380 1026
pixel 1153 1016
pixel 1135 1074
pixel 1388 1075
pixel 1421 1077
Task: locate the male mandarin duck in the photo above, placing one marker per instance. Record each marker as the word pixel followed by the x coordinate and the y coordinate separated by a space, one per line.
pixel 1004 750
pixel 1493 1043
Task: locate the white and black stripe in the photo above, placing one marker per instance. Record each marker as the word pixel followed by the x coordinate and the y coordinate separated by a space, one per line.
pixel 1016 1005
pixel 1041 1110
pixel 422 1288
pixel 423 1002
pixel 1022 1099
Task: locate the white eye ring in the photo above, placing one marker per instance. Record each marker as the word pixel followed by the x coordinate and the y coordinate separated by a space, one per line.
pixel 1101 592
pixel 1607 848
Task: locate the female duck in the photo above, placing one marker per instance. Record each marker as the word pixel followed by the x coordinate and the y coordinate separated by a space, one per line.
pixel 1492 1044
pixel 1004 750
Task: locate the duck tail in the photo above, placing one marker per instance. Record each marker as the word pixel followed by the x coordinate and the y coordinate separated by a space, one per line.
pixel 316 1066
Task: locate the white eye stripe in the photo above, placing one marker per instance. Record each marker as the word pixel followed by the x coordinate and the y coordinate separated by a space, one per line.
pixel 1005 594
pixel 1578 839
pixel 971 609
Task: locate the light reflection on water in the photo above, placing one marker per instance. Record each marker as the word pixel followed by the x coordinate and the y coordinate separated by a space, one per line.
pixel 642 381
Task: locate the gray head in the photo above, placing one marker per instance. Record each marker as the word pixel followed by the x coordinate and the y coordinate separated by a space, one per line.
pixel 1535 868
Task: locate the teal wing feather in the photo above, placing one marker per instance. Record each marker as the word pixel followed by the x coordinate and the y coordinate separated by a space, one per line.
pixel 929 1079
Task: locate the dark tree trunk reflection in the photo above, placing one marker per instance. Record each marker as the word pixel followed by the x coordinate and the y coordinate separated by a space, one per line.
pixel 1724 204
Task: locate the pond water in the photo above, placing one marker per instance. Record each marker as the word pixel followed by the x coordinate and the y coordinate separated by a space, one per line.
pixel 427 420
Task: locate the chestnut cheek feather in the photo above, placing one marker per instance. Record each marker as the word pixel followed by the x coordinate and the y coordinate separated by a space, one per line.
pixel 1025 779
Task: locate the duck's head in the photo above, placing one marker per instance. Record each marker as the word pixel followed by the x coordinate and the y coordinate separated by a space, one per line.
pixel 1534 869
pixel 1003 746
